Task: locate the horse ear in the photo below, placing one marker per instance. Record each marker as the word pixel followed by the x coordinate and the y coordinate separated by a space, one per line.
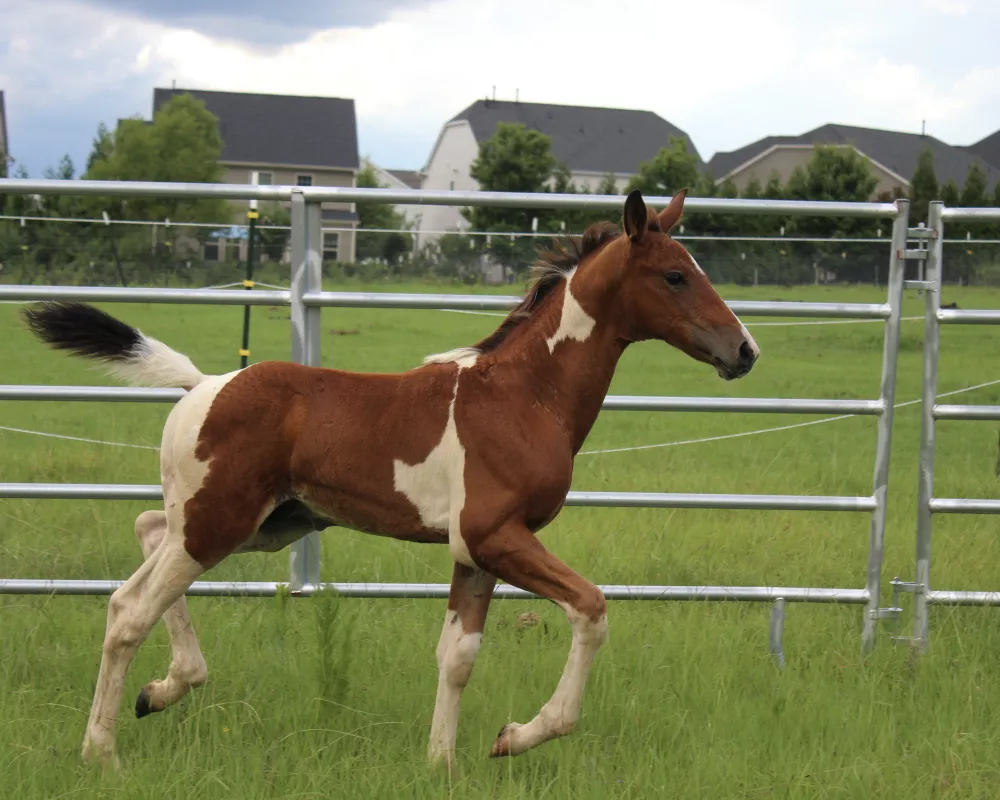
pixel 672 213
pixel 635 219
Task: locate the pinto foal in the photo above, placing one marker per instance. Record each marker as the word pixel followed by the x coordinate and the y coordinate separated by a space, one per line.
pixel 474 449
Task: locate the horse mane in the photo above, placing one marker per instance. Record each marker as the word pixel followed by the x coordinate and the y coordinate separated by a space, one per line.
pixel 553 264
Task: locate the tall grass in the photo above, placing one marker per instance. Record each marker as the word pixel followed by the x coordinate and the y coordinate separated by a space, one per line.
pixel 332 697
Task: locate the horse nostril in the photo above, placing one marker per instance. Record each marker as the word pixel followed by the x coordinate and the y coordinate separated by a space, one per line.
pixel 746 354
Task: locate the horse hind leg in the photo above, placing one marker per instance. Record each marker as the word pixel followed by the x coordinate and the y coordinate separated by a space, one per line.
pixel 132 611
pixel 187 664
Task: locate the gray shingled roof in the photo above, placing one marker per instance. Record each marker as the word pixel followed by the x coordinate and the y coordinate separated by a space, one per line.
pixel 280 129
pixel 410 177
pixel 987 149
pixel 585 139
pixel 893 149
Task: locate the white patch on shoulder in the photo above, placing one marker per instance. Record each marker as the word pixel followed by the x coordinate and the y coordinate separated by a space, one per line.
pixel 436 486
pixel 575 323
pixel 463 356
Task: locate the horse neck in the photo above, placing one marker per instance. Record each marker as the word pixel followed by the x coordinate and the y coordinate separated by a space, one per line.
pixel 568 367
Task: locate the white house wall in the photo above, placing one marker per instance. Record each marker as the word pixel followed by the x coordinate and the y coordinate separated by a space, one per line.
pixel 447 169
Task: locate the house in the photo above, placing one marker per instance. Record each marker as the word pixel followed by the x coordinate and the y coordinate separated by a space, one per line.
pixel 4 146
pixel 591 142
pixel 987 149
pixel 289 140
pixel 404 179
pixel 893 155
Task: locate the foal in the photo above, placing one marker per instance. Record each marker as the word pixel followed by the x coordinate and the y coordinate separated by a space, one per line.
pixel 474 449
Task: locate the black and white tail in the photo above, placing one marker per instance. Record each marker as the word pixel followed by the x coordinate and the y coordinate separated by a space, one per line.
pixel 127 353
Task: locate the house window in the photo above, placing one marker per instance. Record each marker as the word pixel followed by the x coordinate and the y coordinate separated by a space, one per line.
pixel 265 178
pixel 303 180
pixel 331 245
pixel 211 251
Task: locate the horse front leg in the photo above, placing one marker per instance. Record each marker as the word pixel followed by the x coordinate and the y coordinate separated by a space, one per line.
pixel 515 555
pixel 461 637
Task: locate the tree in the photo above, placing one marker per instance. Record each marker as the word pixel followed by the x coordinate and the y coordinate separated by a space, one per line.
pixel 833 174
pixel 671 169
pixel 514 159
pixel 388 247
pixel 608 184
pixel 950 194
pixel 102 148
pixel 181 145
pixel 974 192
pixel 923 186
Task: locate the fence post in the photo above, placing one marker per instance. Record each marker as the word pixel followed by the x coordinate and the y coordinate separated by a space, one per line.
pixel 925 486
pixel 883 444
pixel 306 265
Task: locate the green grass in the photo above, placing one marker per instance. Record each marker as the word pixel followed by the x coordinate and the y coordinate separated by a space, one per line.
pixel 332 697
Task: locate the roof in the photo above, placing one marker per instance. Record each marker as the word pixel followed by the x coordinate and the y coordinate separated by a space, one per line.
pixel 585 139
pixel 895 150
pixel 410 177
pixel 280 129
pixel 987 149
pixel 4 145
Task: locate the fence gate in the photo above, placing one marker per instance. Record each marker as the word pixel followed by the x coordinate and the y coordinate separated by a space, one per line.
pixel 931 411
pixel 306 299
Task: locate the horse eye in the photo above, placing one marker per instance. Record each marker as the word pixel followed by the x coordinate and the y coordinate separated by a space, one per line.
pixel 674 279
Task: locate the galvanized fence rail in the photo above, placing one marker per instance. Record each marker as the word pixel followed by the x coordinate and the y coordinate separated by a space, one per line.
pixel 306 299
pixel 931 411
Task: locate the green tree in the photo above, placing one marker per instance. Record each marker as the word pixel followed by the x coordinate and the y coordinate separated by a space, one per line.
pixel 388 247
pixel 950 194
pixel 515 159
pixel 671 169
pixel 974 192
pixel 102 148
pixel 833 174
pixel 923 186
pixel 182 144
pixel 608 184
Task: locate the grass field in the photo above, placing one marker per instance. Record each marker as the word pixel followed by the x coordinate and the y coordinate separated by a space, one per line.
pixel 333 697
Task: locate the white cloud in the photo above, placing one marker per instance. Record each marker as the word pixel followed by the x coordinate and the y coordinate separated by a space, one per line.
pixel 726 71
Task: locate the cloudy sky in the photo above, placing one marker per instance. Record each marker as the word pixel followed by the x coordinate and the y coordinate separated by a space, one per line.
pixel 726 71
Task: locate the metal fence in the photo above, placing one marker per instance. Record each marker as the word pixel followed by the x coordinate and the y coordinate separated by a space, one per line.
pixel 306 299
pixel 931 411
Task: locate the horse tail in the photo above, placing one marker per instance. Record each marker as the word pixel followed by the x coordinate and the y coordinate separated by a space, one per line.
pixel 127 353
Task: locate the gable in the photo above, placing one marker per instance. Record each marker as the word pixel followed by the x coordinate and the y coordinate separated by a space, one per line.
pixel 586 139
pixel 987 149
pixel 280 129
pixel 895 152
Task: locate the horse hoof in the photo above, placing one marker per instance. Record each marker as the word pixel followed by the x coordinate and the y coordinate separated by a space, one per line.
pixel 142 706
pixel 502 746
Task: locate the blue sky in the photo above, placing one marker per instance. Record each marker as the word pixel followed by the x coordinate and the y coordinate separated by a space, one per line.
pixel 726 71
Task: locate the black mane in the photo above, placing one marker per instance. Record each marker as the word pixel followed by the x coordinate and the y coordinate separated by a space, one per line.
pixel 550 268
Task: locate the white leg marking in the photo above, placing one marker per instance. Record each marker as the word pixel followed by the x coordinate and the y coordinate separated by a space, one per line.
pixel 575 323
pixel 560 714
pixel 134 609
pixel 456 655
pixel 436 486
pixel 187 664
